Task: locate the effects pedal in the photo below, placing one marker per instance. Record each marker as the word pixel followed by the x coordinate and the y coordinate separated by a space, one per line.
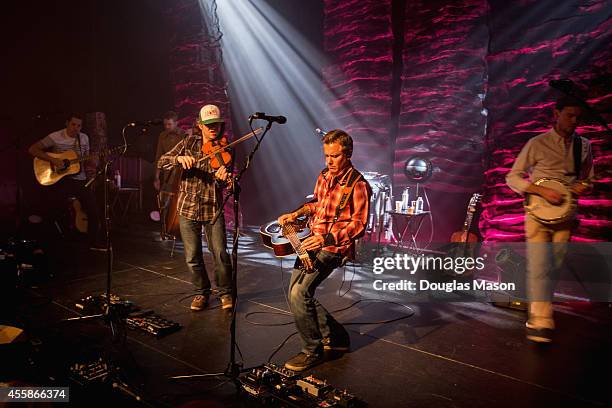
pixel 151 323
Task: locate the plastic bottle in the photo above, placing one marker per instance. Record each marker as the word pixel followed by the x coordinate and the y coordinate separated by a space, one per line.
pixel 405 198
pixel 117 179
pixel 419 205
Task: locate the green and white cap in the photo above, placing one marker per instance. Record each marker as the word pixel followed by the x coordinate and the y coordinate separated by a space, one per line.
pixel 210 114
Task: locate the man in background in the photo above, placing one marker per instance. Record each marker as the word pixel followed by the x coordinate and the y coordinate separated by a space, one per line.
pixel 165 180
pixel 70 138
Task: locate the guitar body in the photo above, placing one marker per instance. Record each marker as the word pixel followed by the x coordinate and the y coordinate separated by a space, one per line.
pixel 463 241
pixel 47 175
pixel 78 217
pixel 460 236
pixel 273 237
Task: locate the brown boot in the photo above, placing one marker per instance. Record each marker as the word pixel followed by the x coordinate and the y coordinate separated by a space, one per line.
pixel 199 302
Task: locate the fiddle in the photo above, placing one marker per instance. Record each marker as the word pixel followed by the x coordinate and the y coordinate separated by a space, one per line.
pixel 211 150
pixel 217 151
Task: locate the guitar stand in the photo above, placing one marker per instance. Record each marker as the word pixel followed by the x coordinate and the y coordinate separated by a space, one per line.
pixel 233 370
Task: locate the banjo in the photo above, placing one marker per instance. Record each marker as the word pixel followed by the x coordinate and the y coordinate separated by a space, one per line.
pixel 548 213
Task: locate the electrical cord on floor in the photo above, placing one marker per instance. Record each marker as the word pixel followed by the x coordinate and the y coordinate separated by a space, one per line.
pixel 344 280
pixel 280 346
pixel 286 313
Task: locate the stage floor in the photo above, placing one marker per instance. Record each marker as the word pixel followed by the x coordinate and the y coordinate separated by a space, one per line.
pixel 461 354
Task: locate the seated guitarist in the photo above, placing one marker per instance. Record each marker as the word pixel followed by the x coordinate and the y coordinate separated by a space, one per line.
pixel 550 154
pixel 70 138
pixel 335 224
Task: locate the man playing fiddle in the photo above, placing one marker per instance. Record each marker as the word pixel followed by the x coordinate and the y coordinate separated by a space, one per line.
pixel 200 197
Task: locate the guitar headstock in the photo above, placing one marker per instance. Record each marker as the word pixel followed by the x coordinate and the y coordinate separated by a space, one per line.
pixel 472 206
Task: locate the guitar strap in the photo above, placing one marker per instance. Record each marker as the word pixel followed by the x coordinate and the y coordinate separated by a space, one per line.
pixel 347 191
pixel 577 146
pixel 77 142
pixel 352 179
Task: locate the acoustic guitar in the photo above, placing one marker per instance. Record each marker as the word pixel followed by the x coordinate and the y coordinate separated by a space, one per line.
pixel 47 174
pixel 465 235
pixel 78 218
pixel 463 242
pixel 286 239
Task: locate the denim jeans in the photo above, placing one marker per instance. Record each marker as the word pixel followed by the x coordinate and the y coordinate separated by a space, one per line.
pixel 191 233
pixel 312 320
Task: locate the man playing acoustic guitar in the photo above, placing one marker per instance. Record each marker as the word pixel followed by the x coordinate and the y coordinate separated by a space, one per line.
pixel 70 138
pixel 562 155
pixel 339 215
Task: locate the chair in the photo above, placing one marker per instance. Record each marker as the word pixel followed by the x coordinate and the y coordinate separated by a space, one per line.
pixel 130 192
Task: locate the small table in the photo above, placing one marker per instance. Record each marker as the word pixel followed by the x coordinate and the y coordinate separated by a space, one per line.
pixel 408 222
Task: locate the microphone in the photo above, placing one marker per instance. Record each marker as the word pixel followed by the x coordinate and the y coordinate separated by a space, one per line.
pixel 563 85
pixel 152 122
pixel 260 115
pixel 320 132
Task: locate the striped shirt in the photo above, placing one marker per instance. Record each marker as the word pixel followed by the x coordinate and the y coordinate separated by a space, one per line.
pixel 60 142
pixel 199 193
pixel 353 218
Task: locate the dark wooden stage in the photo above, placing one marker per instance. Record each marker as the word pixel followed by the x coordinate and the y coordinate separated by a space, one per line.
pixel 443 355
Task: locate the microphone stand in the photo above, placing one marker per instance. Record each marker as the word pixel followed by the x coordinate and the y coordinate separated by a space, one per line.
pixel 233 369
pixel 112 313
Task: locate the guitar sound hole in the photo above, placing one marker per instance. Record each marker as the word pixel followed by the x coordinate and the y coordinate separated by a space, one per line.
pixel 274 228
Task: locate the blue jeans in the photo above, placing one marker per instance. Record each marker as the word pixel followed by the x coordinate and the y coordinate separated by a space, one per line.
pixel 191 233
pixel 312 320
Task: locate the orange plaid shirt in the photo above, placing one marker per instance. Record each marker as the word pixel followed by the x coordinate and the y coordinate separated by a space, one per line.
pixel 353 218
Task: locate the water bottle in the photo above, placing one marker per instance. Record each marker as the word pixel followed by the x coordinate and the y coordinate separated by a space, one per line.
pixel 405 198
pixel 117 179
pixel 419 205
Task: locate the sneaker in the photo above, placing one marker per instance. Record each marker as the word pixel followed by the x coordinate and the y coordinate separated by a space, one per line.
pixel 226 302
pixel 303 362
pixel 333 345
pixel 199 302
pixel 539 335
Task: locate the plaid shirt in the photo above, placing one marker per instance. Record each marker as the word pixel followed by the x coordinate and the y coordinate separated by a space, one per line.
pixel 353 218
pixel 199 194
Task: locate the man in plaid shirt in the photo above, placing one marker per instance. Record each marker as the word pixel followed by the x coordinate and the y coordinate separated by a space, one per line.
pixel 335 230
pixel 200 195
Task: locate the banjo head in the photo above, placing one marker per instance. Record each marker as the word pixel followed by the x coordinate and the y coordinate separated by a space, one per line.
pixel 546 212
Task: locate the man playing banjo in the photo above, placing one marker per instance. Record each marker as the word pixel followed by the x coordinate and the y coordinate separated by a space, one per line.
pixel 561 158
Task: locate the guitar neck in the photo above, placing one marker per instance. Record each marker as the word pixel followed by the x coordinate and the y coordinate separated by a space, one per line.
pixel 92 155
pixel 290 233
pixel 467 224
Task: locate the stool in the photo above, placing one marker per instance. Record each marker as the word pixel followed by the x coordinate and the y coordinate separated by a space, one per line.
pixel 124 196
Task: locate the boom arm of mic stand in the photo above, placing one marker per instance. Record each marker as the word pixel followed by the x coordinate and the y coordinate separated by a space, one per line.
pixel 242 171
pixel 102 168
